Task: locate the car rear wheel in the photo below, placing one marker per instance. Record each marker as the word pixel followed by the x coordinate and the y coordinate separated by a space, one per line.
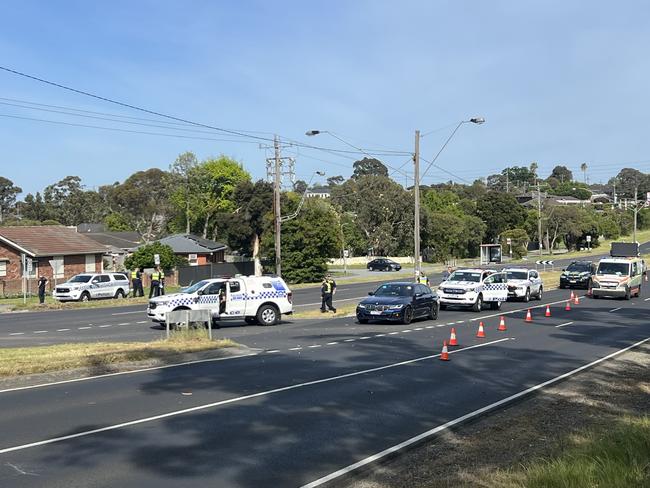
pixel 540 293
pixel 119 294
pixel 85 296
pixel 478 304
pixel 407 315
pixel 267 315
pixel 628 294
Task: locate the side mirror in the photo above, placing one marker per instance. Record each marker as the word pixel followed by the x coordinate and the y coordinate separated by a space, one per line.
pixel 418 295
pixel 371 293
pixel 199 292
pixel 563 269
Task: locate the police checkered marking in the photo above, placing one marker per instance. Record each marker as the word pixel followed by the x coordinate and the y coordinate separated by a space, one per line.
pixel 496 286
pixel 176 302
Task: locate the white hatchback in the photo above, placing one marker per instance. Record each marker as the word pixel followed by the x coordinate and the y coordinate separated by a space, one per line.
pixel 90 286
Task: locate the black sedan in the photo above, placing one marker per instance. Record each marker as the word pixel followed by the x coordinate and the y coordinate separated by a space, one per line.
pixel 383 264
pixel 401 302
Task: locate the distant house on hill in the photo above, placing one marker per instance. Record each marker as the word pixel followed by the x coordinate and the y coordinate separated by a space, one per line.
pixel 195 249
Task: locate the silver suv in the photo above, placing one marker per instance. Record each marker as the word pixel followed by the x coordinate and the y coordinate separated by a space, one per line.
pixel 89 286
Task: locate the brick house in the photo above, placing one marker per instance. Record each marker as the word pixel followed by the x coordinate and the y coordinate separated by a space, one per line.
pixel 56 252
pixel 195 249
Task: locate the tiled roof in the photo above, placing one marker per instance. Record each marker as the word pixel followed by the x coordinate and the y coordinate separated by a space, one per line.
pixel 49 240
pixel 120 240
pixel 188 243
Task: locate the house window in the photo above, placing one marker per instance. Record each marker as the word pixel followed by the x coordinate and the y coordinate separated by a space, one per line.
pixel 3 268
pixel 90 263
pixel 193 259
pixel 57 267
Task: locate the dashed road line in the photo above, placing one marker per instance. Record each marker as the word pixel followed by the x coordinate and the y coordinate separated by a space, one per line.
pixel 62 330
pixel 142 322
pixel 83 328
pixel 418 328
pixel 460 321
pixel 430 326
pixel 615 309
pixel 102 326
pixel 349 340
pixel 123 323
pixel 273 351
pixel 393 333
pixel 295 348
pixel 562 325
pixel 646 299
pixel 17 333
pixel 332 343
pixel 40 332
pixel 380 335
pixel 314 346
pixel 406 330
pixel 364 338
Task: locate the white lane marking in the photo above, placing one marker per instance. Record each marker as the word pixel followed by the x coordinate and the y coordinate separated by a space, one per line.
pixel 393 333
pixel 123 323
pixel 430 326
pixel 364 338
pixel 380 335
pixel 449 323
pixel 295 348
pixel 349 340
pixel 562 325
pixel 406 330
pixel 460 322
pixel 315 346
pixel 121 373
pixel 142 322
pixel 39 331
pixel 646 299
pixel 332 343
pixel 458 420
pixel 615 309
pixel 238 399
pixel 273 351
pixel 418 328
pixel 102 326
pixel 62 330
pixel 441 325
pixel 83 328
pixel 126 313
pixel 17 333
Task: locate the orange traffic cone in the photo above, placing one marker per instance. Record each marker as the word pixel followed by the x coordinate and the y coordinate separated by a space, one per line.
pixel 502 324
pixel 548 311
pixel 444 355
pixel 576 299
pixel 452 339
pixel 481 331
pixel 572 295
pixel 529 316
pixel 568 306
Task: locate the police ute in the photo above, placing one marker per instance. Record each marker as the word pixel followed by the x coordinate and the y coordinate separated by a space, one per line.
pixel 474 288
pixel 255 299
pixel 524 284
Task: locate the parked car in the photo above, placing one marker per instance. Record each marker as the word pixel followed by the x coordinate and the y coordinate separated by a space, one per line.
pixel 90 286
pixel 474 288
pixel 399 301
pixel 255 299
pixel 524 284
pixel 578 274
pixel 383 264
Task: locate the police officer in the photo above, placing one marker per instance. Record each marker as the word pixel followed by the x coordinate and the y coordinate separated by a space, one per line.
pixel 155 283
pixel 136 281
pixel 327 290
pixel 161 282
pixel 42 282
pixel 422 279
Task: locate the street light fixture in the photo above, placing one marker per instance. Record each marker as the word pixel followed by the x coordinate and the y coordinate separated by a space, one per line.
pixel 416 187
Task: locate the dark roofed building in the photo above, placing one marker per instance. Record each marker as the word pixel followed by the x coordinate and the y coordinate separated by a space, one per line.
pixel 195 249
pixel 55 252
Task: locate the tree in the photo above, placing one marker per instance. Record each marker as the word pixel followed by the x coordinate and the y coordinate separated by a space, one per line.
pixel 500 211
pixel 182 171
pixel 8 193
pixel 251 218
pixel 518 242
pixel 33 207
pixel 335 180
pixel 628 179
pixel 562 173
pixel 300 186
pixel 369 167
pixel 67 202
pixel 116 222
pixel 452 236
pixel 583 168
pixel 143 257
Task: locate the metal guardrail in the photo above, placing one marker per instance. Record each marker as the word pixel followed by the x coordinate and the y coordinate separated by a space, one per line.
pixel 185 318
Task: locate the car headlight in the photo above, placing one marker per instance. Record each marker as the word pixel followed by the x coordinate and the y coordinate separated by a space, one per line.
pixel 563 275
pixel 361 305
pixel 471 289
pixel 74 288
pixel 396 307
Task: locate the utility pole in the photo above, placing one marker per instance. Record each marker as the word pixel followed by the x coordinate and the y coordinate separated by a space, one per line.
pixel 539 218
pixel 636 210
pixel 276 205
pixel 416 192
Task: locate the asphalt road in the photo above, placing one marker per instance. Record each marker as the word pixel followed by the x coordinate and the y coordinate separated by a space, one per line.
pixel 130 323
pixel 316 397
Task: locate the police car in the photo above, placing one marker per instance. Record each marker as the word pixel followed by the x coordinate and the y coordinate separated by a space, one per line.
pixel 255 299
pixel 473 288
pixel 89 286
pixel 524 284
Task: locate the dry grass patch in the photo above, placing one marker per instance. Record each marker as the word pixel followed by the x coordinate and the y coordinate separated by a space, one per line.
pixel 101 356
pixel 341 311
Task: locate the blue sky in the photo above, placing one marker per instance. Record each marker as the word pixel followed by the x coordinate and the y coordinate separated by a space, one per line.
pixel 558 82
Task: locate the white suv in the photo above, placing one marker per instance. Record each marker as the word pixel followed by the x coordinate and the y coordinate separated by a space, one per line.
pixel 524 283
pixel 473 288
pixel 255 299
pixel 89 286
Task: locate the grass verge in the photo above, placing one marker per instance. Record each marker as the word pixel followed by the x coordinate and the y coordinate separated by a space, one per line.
pixel 102 356
pixel 341 311
pixel 616 457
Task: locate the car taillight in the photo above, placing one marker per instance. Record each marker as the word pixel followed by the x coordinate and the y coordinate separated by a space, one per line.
pixel 290 297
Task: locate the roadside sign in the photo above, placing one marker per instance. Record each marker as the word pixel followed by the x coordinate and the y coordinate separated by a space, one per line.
pixel 508 241
pixel 588 238
pixel 156 259
pixel 346 253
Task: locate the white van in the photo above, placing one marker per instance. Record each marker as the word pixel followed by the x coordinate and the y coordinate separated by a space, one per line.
pixel 255 299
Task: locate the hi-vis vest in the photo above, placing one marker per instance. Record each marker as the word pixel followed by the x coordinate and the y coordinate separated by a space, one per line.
pixel 134 275
pixel 327 286
pixel 422 280
pixel 155 276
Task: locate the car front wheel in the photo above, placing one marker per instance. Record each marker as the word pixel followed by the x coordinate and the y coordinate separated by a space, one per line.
pixel 541 293
pixel 433 313
pixel 407 315
pixel 478 304
pixel 85 296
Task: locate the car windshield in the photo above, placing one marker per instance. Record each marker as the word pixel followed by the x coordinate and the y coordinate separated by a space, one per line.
pixel 391 290
pixel 613 268
pixel 465 276
pixel 517 275
pixel 578 267
pixel 80 279
pixel 195 286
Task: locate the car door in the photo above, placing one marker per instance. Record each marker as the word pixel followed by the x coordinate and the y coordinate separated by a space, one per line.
pixel 535 282
pixel 424 300
pixel 495 288
pixel 236 301
pixel 95 289
pixel 209 298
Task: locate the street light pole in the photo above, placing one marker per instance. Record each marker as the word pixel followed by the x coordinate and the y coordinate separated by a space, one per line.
pixel 416 194
pixel 276 207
